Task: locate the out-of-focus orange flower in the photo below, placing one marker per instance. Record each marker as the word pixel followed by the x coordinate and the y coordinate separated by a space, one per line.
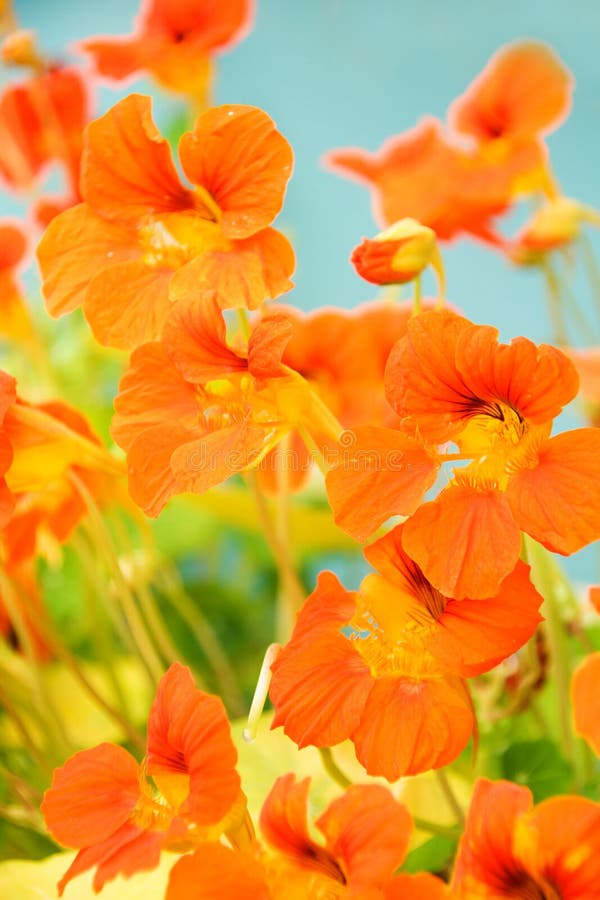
pixel 398 254
pixel 14 317
pixel 192 410
pixel 553 226
pixel 142 240
pixel 45 450
pixel 451 381
pixel 342 354
pixel 512 849
pixel 587 363
pixel 383 666
pixel 175 41
pixel 524 90
pixel 41 122
pixel 366 836
pixel 586 700
pixel 120 814
pixel 420 174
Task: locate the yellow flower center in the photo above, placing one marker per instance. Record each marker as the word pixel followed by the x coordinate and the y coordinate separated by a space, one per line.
pixel 391 626
pixel 173 239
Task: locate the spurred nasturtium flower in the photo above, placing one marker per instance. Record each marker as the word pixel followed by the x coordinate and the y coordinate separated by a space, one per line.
pixel 141 239
pixel 553 226
pixel 120 814
pixel 512 848
pixel 365 835
pixel 383 666
pixel 421 174
pixel 174 40
pixel 398 254
pixel 450 381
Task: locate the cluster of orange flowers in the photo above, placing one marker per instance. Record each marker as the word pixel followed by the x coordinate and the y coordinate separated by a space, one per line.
pixel 409 409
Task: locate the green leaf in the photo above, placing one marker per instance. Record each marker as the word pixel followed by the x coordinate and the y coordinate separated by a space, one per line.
pixel 432 856
pixel 539 766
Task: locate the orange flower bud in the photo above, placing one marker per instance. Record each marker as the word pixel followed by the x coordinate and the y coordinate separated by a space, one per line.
pixel 397 255
pixel 555 224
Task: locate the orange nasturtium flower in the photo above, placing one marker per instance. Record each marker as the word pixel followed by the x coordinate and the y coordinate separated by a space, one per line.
pixel 366 836
pixel 512 848
pixel 120 814
pixel 174 40
pixel 587 362
pixel 142 239
pixel 524 91
pixel 384 666
pixel 451 381
pixel 41 122
pixel 192 410
pixel 422 175
pixel 49 461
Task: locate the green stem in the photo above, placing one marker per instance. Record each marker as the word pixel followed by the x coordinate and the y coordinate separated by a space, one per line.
pixel 450 831
pixel 450 796
pixel 544 579
pixel 332 768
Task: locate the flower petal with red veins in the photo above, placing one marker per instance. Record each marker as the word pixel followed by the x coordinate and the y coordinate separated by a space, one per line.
pixel 267 344
pixel 558 501
pixel 189 733
pixel 472 636
pixel 412 726
pixel 92 795
pixel 152 481
pixel 127 171
pixel 283 817
pixel 236 154
pixel 369 831
pixel 485 854
pixel 466 541
pixel 195 339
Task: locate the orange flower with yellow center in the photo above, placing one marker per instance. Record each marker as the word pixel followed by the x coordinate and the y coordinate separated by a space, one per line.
pixel 142 240
pixel 451 382
pixel 103 803
pixel 383 666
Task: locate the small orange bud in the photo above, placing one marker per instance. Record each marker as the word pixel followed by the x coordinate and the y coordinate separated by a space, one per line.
pixel 397 255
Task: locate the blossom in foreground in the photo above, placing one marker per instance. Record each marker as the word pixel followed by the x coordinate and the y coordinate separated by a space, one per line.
pixel 120 814
pixel 193 410
pixel 141 239
pixel 451 381
pixel 512 848
pixel 174 40
pixel 366 834
pixel 383 666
